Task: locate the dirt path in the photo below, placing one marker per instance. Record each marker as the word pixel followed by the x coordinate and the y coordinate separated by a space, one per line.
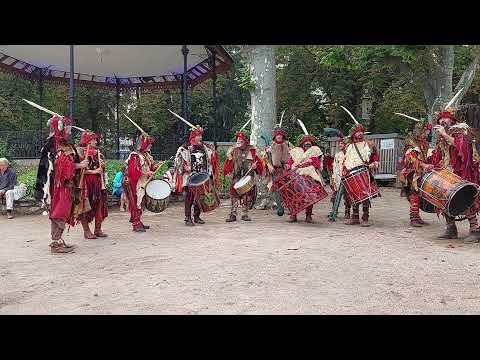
pixel 263 267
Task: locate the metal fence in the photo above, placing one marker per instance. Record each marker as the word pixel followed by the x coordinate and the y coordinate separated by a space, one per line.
pixel 27 144
pixel 22 144
pixel 390 147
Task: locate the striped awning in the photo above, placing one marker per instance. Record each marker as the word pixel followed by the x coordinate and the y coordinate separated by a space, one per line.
pixel 112 66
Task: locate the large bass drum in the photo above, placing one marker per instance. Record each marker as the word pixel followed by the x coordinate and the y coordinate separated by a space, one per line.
pixel 206 196
pixel 448 192
pixel 298 192
pixel 157 195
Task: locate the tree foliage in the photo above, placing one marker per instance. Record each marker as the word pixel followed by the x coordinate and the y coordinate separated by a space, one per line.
pixel 312 80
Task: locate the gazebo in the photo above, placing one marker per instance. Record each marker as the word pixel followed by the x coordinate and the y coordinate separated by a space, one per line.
pixel 117 67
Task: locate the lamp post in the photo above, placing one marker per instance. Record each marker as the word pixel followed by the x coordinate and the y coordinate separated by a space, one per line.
pixel 72 84
pixel 184 86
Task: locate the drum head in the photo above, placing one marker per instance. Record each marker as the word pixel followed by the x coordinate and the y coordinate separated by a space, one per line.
pixel 198 178
pixel 158 189
pixel 462 199
pixel 242 181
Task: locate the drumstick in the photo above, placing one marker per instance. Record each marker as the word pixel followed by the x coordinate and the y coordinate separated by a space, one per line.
pixel 156 170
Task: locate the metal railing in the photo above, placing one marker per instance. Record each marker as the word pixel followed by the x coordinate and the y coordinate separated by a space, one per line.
pixel 27 144
pixel 390 147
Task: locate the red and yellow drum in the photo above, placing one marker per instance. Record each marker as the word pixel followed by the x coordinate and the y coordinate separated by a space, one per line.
pixel 447 191
pixel 360 185
pixel 298 192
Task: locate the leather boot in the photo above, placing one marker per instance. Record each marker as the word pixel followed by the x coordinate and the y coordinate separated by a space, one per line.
pixel 197 220
pixel 451 232
pixel 347 213
pixel 232 218
pixel 474 236
pixel 189 222
pixel 292 219
pixel 415 223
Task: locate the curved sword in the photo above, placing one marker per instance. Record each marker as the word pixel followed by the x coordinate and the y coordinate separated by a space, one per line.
pixel 185 121
pixel 349 113
pixel 281 118
pixel 409 117
pixel 451 102
pixel 302 125
pixel 244 126
pixel 134 123
pixel 42 108
pixel 78 128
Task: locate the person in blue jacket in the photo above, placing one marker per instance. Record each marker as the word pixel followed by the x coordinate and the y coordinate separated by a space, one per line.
pixel 118 190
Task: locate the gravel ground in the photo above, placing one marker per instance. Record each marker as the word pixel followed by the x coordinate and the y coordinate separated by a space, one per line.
pixel 266 266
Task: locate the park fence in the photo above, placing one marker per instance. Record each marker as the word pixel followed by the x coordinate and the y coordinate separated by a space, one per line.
pixel 27 144
pixel 390 147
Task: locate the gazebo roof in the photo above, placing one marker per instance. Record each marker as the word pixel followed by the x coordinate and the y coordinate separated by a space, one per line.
pixel 109 66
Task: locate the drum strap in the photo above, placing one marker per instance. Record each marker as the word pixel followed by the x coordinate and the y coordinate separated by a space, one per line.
pixel 358 152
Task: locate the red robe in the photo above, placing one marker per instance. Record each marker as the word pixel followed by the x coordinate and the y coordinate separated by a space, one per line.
pixel 62 188
pixel 461 162
pixel 461 158
pixel 134 172
pixel 94 193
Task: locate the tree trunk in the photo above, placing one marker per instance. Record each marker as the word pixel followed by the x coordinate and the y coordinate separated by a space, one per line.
pixel 438 88
pixel 261 59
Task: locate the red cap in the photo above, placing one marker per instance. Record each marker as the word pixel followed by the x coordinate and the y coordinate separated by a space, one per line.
pixel 445 114
pixel 58 125
pixel 358 128
pixel 145 141
pixel 279 131
pixel 194 134
pixel 241 135
pixel 87 136
pixel 307 138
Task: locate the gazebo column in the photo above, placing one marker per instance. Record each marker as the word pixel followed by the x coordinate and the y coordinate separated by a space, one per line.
pixel 72 83
pixel 117 109
pixel 184 87
pixel 214 94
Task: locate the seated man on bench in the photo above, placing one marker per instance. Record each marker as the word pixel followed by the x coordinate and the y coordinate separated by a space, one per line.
pixel 8 179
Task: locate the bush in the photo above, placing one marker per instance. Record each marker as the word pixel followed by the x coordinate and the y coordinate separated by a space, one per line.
pixel 5 153
pixel 28 176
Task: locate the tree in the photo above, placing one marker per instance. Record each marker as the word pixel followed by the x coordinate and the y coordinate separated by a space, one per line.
pixel 261 66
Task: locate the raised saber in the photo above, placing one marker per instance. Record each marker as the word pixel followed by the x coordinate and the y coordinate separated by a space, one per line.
pixel 302 125
pixel 78 128
pixel 451 102
pixel 409 117
pixel 281 118
pixel 244 126
pixel 185 121
pixel 42 108
pixel 134 123
pixel 349 113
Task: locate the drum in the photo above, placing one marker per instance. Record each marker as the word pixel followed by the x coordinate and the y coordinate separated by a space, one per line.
pixel 426 206
pixel 447 191
pixel 360 185
pixel 157 194
pixel 298 192
pixel 206 196
pixel 244 185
